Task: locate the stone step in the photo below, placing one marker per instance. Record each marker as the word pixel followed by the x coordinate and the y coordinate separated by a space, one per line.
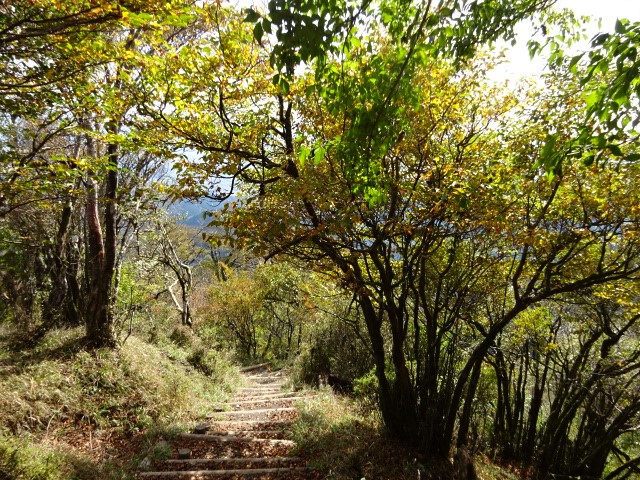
pixel 266 381
pixel 263 412
pixel 246 425
pixel 276 434
pixel 271 395
pixel 212 447
pixel 278 387
pixel 277 374
pixel 262 388
pixel 252 368
pixel 203 474
pixel 266 402
pixel 258 392
pixel 234 463
pixel 235 438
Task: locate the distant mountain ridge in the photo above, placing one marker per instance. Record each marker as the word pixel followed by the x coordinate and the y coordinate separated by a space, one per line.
pixel 192 214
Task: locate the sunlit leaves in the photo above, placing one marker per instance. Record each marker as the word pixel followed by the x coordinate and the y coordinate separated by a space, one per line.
pixel 304 31
pixel 68 70
pixel 609 77
pixel 614 102
pixel 365 58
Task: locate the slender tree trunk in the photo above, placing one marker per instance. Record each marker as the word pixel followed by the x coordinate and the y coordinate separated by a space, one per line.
pixel 534 410
pixel 101 253
pixel 98 316
pixel 53 307
pixel 183 277
pixel 465 418
pixel 397 400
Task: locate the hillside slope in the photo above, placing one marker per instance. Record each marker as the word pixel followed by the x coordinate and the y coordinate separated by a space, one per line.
pixel 67 413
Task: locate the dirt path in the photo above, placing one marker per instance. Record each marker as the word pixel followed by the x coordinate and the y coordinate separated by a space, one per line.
pixel 246 438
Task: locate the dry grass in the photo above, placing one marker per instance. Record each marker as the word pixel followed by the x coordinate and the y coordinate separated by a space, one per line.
pixel 487 470
pixel 343 443
pixel 70 413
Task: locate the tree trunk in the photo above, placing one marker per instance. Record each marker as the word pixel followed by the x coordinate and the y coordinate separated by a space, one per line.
pixel 467 410
pixel 101 252
pixel 98 317
pixel 59 284
pixel 397 400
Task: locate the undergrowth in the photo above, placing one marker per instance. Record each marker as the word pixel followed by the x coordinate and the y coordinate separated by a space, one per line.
pixel 71 413
pixel 343 441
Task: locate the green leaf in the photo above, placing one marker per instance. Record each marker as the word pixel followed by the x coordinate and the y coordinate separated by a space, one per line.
pixel 284 85
pixel 574 61
pixel 318 155
pixel 550 143
pixel 599 141
pixel 593 98
pixel 252 15
pixel 303 155
pixel 600 39
pixel 615 150
pixel 258 32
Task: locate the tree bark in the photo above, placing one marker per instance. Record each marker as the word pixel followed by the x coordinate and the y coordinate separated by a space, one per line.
pixel 101 253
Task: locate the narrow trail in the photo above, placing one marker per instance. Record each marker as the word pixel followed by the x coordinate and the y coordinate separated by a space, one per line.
pixel 245 438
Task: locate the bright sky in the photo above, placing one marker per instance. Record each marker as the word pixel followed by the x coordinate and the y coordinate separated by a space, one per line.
pixel 608 10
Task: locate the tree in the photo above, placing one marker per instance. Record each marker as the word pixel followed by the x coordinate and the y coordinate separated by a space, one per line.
pixel 384 178
pixel 267 311
pixel 372 94
pixel 608 76
pixel 164 245
pixel 403 175
pixel 578 351
pixel 66 72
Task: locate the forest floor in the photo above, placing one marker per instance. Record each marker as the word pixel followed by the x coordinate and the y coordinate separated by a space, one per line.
pixel 248 436
pixel 272 430
pixel 71 414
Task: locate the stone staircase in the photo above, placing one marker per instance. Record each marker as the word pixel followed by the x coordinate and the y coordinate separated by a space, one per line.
pixel 245 438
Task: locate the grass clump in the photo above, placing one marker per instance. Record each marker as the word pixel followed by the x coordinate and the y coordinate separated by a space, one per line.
pixel 23 458
pixel 343 439
pixel 343 443
pixel 487 470
pixel 71 413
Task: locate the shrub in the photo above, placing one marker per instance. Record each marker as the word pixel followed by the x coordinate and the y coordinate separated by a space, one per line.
pixel 215 364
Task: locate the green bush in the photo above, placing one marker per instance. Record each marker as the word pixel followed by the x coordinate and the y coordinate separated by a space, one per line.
pixel 308 366
pixel 213 363
pixel 365 388
pixel 182 336
pixel 333 347
pixel 21 460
